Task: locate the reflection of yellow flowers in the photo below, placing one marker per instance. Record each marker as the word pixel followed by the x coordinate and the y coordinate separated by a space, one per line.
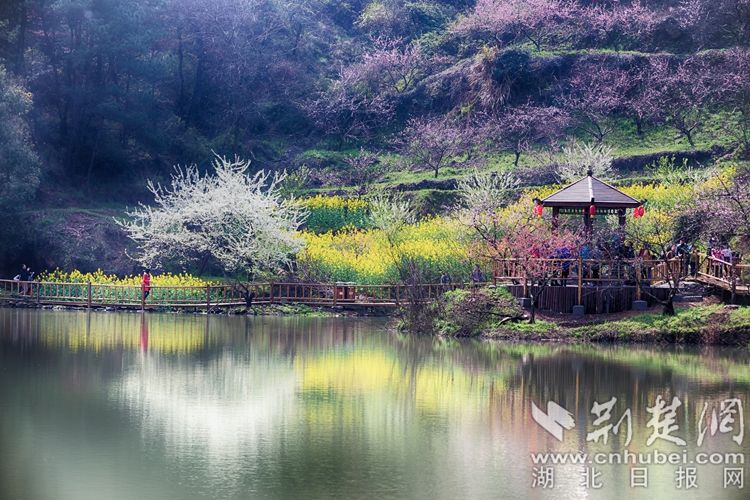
pixel 434 387
pixel 103 332
pixel 350 374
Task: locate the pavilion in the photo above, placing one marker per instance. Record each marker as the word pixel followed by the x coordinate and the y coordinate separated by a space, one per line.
pixel 589 197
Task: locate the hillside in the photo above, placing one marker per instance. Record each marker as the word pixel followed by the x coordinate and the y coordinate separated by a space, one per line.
pixel 103 95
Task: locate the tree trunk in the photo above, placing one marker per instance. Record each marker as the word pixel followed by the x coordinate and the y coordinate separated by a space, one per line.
pixel 181 74
pixel 21 40
pixel 532 318
pixel 518 156
pixel 638 127
pixel 689 136
pixel 669 307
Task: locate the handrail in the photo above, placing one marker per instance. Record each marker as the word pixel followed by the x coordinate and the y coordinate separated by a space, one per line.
pixel 731 276
pixel 572 272
pixel 216 295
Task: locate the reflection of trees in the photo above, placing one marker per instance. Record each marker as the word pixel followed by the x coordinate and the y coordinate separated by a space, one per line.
pixel 81 331
pixel 291 403
pixel 226 408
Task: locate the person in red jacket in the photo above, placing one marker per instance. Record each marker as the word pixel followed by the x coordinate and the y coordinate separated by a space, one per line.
pixel 146 283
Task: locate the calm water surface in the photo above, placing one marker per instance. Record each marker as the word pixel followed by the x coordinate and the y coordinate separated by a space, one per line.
pixel 131 406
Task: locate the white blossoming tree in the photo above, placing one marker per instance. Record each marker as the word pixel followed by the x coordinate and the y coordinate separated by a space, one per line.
pixel 483 196
pixel 578 158
pixel 240 221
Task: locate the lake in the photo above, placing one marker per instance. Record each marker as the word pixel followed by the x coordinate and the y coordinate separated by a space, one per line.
pixel 147 406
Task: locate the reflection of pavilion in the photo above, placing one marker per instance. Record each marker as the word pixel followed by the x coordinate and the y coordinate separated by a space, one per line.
pixel 590 196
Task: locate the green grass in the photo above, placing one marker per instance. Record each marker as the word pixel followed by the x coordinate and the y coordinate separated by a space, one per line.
pixel 623 139
pixel 539 327
pixel 688 325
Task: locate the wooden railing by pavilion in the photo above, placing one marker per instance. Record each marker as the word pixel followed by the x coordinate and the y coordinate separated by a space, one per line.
pixel 217 296
pixel 730 276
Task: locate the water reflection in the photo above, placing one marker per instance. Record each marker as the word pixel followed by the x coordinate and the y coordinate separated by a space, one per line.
pixel 128 405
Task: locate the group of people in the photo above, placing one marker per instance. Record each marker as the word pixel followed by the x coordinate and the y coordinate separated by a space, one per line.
pixel 723 256
pixel 616 257
pixel 24 277
pixel 477 276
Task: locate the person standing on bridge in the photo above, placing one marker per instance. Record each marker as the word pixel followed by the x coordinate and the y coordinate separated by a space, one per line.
pixel 477 276
pixel 445 278
pixel 146 283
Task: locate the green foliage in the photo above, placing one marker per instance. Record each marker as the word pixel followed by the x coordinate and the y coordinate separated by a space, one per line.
pixel 692 324
pixel 19 163
pixel 476 312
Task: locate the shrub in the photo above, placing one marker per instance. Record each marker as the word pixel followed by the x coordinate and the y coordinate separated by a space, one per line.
pixel 470 313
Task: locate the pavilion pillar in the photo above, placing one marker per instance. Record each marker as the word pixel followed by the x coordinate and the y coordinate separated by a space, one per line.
pixel 555 217
pixel 621 217
pixel 586 220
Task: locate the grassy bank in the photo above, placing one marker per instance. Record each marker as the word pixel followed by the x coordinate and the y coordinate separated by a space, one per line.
pixel 704 324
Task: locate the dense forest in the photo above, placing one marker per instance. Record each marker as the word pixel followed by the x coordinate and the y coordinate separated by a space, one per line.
pixel 96 96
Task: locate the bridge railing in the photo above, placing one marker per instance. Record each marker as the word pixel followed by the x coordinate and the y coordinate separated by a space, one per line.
pixel 606 272
pixel 218 295
pixel 591 271
pixel 732 276
pixel 561 272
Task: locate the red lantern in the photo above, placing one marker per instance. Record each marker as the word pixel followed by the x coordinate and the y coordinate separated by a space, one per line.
pixel 638 212
pixel 592 210
pixel 538 209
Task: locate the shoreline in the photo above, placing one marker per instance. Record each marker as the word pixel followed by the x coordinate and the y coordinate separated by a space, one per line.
pixel 259 310
pixel 694 324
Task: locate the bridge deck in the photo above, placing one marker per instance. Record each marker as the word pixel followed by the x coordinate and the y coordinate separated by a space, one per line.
pixel 568 281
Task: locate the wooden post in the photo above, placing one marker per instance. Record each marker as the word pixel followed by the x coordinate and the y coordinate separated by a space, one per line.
pixel 38 294
pixel 208 297
pixel 580 281
pixel 586 220
pixel 734 280
pixel 270 300
pixel 88 295
pixel 638 277
pixel 621 219
pixel 335 293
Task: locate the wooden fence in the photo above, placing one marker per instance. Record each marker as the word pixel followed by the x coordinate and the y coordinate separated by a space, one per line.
pixel 598 285
pixel 217 296
pixel 612 285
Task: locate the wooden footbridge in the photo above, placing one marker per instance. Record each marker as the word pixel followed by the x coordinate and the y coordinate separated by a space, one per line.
pixel 215 296
pixel 612 285
pixel 570 282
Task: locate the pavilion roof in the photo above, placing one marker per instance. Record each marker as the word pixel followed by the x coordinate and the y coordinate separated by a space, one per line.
pixel 581 193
